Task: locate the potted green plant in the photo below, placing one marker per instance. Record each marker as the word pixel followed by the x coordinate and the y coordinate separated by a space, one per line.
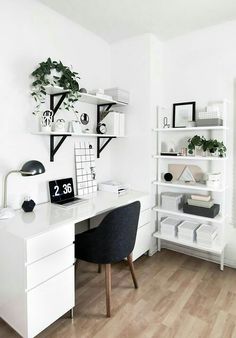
pixel 56 74
pixel 215 147
pixel 194 143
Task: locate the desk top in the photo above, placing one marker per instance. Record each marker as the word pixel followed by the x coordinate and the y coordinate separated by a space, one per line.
pixel 47 216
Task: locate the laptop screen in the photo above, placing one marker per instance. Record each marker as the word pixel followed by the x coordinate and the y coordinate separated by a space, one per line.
pixel 61 190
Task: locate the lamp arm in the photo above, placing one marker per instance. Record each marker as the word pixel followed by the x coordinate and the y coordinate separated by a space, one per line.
pixel 5 184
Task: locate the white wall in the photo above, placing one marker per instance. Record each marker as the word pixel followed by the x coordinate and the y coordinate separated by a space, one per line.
pixel 134 69
pixel 31 32
pixel 201 67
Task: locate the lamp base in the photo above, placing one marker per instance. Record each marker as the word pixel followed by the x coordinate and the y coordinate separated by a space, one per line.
pixel 6 213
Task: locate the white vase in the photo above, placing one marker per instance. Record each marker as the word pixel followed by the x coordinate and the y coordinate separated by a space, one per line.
pixel 198 151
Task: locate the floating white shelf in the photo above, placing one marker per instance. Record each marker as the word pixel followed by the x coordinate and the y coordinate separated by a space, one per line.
pixel 74 135
pixel 191 158
pixel 193 186
pixel 216 248
pixel 54 90
pixel 93 99
pixel 218 219
pixel 190 129
pixel 83 97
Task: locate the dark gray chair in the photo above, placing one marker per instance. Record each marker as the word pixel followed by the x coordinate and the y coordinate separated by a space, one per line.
pixel 112 241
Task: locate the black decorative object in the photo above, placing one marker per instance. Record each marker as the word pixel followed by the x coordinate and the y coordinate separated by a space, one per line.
pixel 101 128
pixel 28 206
pixel 168 177
pixel 83 90
pixel 183 113
pixel 84 118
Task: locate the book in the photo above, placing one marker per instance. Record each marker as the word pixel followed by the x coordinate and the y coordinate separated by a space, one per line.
pixel 206 198
pixel 169 153
pixel 198 203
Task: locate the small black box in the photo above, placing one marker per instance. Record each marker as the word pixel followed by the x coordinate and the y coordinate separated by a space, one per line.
pixel 200 211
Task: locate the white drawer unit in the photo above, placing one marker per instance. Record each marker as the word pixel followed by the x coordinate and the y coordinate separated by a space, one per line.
pixel 143 241
pixel 144 232
pixel 49 242
pixel 144 217
pixel 49 301
pixel 38 279
pixel 49 266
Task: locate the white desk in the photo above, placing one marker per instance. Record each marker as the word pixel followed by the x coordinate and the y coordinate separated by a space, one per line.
pixel 37 257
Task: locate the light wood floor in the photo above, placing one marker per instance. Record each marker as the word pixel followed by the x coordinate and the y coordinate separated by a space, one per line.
pixel 179 296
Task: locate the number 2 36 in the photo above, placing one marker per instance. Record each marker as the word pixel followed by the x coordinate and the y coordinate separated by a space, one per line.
pixel 67 189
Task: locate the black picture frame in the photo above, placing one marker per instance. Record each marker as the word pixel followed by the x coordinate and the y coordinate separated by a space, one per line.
pixel 191 116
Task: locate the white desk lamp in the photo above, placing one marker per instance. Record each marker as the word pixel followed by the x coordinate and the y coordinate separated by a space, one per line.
pixel 30 168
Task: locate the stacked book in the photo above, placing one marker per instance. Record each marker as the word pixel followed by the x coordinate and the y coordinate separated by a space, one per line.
pixel 206 234
pixel 201 205
pixel 204 201
pixel 187 231
pixel 169 226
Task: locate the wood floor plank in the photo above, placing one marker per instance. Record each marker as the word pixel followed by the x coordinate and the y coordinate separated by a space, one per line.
pixel 178 297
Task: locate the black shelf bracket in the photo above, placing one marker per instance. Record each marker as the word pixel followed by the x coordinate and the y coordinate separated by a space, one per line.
pixel 101 147
pixel 101 114
pixel 53 148
pixel 54 108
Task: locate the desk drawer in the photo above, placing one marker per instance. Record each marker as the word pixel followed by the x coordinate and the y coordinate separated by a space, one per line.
pixel 144 217
pixel 49 301
pixel 145 202
pixel 143 241
pixel 49 266
pixel 49 242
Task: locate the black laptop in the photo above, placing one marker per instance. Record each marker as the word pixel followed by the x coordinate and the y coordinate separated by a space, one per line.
pixel 62 192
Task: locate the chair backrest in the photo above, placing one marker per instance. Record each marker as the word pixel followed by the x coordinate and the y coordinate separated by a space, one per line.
pixel 117 233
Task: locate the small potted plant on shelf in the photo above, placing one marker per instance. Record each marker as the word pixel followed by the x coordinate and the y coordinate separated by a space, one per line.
pixel 195 145
pixel 215 147
pixel 54 73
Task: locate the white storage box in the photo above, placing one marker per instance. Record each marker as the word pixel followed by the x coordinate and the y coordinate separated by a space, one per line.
pixel 187 231
pixel 206 234
pixel 113 186
pixel 118 94
pixel 169 226
pixel 171 201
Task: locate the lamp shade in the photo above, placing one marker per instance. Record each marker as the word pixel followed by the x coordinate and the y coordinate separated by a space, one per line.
pixel 32 168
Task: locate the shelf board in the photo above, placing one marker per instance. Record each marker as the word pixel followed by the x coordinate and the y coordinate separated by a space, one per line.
pixel 83 97
pixel 193 186
pixel 55 90
pixel 42 133
pixel 191 158
pixel 93 99
pixel 216 248
pixel 191 128
pixel 218 219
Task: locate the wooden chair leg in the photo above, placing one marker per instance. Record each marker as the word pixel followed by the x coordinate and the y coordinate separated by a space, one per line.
pixel 108 288
pixel 99 268
pixel 131 266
